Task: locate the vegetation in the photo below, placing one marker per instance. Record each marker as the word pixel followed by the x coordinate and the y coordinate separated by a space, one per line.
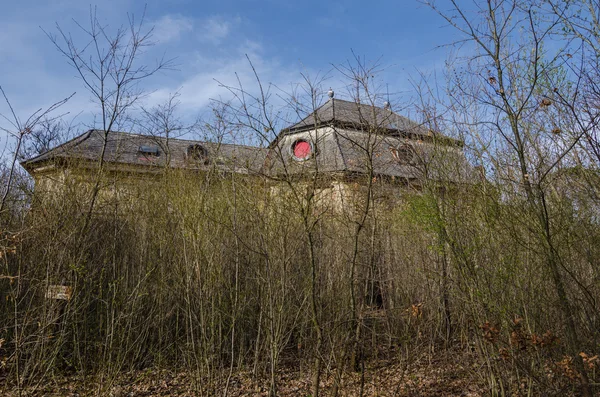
pixel 218 274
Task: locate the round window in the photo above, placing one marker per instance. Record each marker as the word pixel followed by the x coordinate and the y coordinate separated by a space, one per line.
pixel 404 154
pixel 197 153
pixel 301 149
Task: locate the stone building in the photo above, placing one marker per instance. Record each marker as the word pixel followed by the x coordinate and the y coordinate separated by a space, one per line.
pixel 339 143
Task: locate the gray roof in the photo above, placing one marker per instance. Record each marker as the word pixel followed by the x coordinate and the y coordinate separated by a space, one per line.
pixel 348 138
pixel 124 148
pixel 359 116
pixel 340 150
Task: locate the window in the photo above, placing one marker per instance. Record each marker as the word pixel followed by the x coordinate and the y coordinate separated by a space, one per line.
pixel 197 153
pixel 404 154
pixel 149 150
pixel 302 150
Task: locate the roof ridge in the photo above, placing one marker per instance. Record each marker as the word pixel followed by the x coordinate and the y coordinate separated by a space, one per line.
pixel 184 140
pixel 76 141
pixel 341 110
pixel 337 142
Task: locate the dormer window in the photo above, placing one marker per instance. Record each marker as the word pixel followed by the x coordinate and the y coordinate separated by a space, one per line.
pixel 149 151
pixel 404 154
pixel 197 153
pixel 301 150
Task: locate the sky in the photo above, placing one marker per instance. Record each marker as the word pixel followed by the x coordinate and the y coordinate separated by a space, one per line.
pixel 209 40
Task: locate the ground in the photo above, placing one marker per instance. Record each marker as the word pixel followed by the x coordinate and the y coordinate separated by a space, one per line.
pixel 439 375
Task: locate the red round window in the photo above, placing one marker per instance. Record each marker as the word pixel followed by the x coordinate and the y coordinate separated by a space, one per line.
pixel 301 149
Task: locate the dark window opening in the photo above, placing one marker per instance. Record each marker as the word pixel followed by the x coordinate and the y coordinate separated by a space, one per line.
pixel 404 154
pixel 374 296
pixel 197 153
pixel 149 150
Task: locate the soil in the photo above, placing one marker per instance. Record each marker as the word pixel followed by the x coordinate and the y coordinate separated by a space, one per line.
pixel 441 375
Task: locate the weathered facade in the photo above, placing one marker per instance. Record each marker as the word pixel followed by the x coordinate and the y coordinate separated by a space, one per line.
pixel 339 142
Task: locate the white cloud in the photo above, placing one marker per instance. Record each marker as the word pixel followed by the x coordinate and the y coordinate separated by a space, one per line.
pixel 213 75
pixel 170 27
pixel 216 28
pixel 213 30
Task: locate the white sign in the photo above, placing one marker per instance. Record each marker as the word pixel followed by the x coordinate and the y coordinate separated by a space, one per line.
pixel 61 292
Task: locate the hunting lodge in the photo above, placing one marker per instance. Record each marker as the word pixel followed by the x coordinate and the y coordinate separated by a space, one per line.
pixel 339 142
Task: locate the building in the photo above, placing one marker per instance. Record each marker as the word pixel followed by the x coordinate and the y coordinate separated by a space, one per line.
pixel 340 142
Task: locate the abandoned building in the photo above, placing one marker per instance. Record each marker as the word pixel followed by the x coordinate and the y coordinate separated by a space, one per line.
pixel 340 141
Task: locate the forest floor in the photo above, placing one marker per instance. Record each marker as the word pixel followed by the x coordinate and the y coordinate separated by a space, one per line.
pixel 444 374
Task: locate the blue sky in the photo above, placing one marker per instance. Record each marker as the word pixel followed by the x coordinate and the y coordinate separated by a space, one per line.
pixel 210 39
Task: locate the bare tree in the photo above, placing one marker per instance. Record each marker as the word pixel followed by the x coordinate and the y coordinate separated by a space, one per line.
pixel 110 66
pixel 512 79
pixel 20 129
pixel 49 133
pixel 164 123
